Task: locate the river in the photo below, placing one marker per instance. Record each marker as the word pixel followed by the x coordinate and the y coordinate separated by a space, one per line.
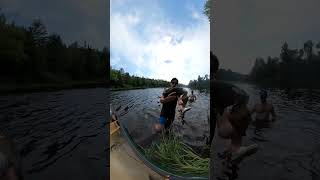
pixel 63 133
pixel 290 147
pixel 139 110
pixel 60 135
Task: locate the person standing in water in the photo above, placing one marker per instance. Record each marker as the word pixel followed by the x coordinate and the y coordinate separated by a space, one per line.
pixel 233 123
pixel 263 110
pixel 169 101
pixel 230 110
pixel 192 97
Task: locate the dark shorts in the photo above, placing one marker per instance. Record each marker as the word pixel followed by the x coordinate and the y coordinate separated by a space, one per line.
pixel 166 121
pixel 162 120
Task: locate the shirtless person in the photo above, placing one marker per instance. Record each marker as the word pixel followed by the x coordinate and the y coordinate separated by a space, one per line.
pixel 192 97
pixel 233 123
pixel 264 109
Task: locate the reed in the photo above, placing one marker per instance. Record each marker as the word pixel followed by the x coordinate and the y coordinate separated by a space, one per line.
pixel 172 155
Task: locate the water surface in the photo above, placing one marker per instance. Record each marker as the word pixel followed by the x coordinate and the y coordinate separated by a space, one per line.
pixel 60 135
pixel 140 110
pixel 290 147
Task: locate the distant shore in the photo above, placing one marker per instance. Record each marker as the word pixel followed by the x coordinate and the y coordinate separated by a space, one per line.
pixel 43 87
pixel 127 88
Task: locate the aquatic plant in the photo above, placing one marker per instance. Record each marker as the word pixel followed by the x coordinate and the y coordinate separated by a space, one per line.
pixel 172 155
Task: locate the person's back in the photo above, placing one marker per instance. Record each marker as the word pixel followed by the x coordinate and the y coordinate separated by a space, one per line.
pixel 264 109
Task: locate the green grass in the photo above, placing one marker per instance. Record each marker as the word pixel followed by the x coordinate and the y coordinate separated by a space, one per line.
pixel 172 155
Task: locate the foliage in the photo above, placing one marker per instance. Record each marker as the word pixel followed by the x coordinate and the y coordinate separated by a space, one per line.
pixel 228 75
pixel 122 79
pixel 171 154
pixel 294 68
pixel 31 55
pixel 207 9
pixel 200 83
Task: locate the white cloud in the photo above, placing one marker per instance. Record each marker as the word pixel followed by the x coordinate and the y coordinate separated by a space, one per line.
pixel 186 47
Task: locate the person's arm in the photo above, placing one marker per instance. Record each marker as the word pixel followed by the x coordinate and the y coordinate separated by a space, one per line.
pixel 167 99
pixel 273 113
pixel 172 93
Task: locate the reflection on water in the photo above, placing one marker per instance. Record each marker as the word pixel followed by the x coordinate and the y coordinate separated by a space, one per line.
pixel 290 147
pixel 58 133
pixel 140 109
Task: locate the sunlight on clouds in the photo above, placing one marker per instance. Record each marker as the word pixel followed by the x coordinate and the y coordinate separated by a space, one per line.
pixel 124 41
pixel 189 58
pixel 187 48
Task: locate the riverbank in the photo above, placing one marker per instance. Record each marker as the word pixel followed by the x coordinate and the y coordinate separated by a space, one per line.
pixel 127 88
pixel 39 87
pixel 298 84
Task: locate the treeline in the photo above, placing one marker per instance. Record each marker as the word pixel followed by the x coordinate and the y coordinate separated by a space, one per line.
pixel 294 68
pixel 228 75
pixel 122 79
pixel 202 83
pixel 32 55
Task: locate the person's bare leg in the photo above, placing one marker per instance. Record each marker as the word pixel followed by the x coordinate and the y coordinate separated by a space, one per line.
pixel 157 128
pixel 225 129
pixel 12 174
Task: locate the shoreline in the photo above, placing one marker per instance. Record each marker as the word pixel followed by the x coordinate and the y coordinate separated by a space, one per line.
pixel 127 88
pixel 6 89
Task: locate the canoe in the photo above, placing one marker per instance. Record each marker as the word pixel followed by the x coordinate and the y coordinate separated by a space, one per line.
pixel 124 164
pixel 127 161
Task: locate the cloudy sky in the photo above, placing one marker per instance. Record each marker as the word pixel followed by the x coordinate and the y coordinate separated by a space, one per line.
pixel 160 39
pixel 74 20
pixel 249 28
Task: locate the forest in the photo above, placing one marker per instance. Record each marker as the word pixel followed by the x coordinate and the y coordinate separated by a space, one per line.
pixel 228 75
pixel 30 55
pixel 294 68
pixel 202 83
pixel 120 79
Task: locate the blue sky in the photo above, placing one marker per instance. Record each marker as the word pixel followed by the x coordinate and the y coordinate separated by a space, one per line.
pixel 160 39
